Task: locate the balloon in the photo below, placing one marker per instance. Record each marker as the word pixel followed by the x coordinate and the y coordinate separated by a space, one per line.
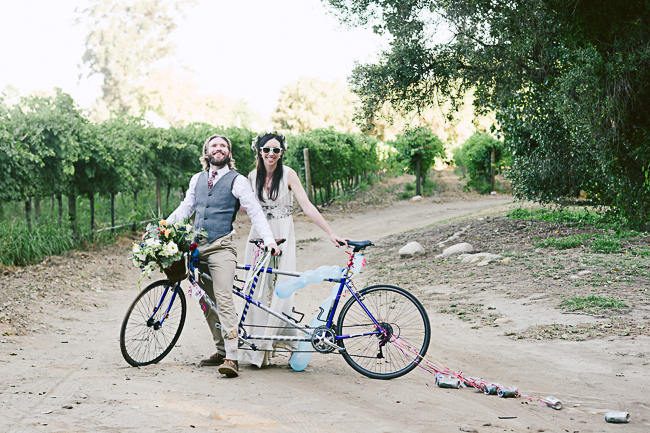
pixel 300 359
pixel 285 288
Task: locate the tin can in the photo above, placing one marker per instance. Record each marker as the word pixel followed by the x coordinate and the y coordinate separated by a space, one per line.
pixel 507 392
pixel 447 381
pixel 617 417
pixel 490 389
pixel 553 403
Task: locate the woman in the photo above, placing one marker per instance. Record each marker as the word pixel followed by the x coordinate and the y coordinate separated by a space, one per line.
pixel 275 186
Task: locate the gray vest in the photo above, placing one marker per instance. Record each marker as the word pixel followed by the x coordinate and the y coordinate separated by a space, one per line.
pixel 215 208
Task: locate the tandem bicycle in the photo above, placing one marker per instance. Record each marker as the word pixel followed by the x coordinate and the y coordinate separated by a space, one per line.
pixel 370 331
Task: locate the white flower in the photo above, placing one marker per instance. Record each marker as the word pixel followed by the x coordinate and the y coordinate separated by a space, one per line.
pixel 188 228
pixel 152 242
pixel 169 249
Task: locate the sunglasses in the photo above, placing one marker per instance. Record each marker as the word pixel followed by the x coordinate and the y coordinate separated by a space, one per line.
pixel 275 150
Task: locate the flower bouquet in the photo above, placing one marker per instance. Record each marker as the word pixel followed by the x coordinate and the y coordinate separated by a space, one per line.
pixel 163 246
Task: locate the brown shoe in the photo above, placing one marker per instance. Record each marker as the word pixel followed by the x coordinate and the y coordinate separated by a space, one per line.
pixel 212 361
pixel 229 368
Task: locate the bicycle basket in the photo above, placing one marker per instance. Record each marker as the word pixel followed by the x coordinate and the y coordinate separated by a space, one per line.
pixel 177 271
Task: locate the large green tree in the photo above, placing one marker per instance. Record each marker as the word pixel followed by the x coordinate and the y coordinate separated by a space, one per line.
pixel 569 82
pixel 311 103
pixel 125 42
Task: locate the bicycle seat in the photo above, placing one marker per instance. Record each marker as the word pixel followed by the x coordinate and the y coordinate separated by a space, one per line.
pixel 359 245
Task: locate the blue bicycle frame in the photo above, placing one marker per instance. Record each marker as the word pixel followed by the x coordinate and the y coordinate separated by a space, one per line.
pixel 344 283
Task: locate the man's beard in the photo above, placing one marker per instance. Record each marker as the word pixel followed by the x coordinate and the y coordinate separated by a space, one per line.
pixel 219 162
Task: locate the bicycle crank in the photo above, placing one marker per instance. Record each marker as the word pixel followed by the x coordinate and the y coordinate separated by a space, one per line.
pixel 323 339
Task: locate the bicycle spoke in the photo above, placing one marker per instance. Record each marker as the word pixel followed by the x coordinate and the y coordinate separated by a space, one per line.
pixel 398 314
pixel 143 341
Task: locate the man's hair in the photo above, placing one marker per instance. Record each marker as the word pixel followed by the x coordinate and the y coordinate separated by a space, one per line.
pixel 204 160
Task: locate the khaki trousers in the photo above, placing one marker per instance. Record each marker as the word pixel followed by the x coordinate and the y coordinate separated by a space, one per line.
pixel 220 257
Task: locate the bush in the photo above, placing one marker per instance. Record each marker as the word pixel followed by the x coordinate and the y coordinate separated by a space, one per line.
pixel 578 217
pixel 338 161
pixel 20 246
pixel 417 149
pixel 606 245
pixel 474 156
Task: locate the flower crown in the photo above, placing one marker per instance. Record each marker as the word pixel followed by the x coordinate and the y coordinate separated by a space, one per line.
pixel 276 133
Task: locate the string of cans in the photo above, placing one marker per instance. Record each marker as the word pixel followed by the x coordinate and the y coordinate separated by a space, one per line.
pixel 446 378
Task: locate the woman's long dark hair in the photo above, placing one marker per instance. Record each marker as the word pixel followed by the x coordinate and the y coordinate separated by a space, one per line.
pixel 261 170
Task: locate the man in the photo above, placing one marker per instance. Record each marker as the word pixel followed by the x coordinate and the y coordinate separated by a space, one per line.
pixel 215 195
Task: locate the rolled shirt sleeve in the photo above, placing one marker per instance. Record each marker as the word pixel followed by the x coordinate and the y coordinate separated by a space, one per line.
pixel 187 206
pixel 244 192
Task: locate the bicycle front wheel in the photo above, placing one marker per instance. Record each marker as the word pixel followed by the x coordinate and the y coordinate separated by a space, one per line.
pixel 391 349
pixel 144 339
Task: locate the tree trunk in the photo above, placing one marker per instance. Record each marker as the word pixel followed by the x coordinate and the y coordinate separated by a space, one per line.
pixel 37 208
pixel 418 175
pixel 91 198
pixel 28 213
pixel 492 158
pixel 424 179
pixel 72 213
pixel 112 212
pixel 169 190
pixel 158 198
pixel 182 193
pixel 135 205
pixel 308 187
pixel 59 201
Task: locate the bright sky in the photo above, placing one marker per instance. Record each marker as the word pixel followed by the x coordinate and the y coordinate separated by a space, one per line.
pixel 246 49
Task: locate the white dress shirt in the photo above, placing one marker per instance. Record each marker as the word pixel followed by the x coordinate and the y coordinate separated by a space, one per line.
pixel 241 189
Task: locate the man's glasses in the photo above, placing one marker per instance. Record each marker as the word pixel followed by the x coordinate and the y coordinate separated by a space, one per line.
pixel 275 150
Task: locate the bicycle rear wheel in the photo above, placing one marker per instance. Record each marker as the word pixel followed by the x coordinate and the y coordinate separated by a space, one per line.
pixel 394 348
pixel 143 339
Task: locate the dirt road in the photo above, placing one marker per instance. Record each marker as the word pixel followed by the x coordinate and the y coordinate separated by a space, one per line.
pixel 70 376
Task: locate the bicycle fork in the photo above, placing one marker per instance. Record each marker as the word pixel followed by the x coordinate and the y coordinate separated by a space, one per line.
pixel 157 324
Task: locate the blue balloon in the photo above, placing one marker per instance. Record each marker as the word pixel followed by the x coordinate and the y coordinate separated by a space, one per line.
pixel 286 288
pixel 300 359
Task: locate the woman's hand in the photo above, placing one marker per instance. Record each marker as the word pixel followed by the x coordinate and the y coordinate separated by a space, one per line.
pixel 339 242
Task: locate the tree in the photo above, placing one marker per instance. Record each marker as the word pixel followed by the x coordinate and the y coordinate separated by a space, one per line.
pixel 567 81
pixel 46 140
pixel 417 149
pixel 126 40
pixel 481 157
pixel 310 103
pixel 178 99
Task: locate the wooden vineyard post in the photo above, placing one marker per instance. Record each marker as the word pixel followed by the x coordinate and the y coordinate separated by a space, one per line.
pixel 310 194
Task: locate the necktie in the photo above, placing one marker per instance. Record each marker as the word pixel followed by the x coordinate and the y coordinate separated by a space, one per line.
pixel 211 179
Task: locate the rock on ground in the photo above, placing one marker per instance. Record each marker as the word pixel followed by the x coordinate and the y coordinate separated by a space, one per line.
pixel 483 259
pixel 459 248
pixel 411 249
pixel 454 237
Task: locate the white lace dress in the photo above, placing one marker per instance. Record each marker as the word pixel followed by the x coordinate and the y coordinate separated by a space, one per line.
pixel 279 215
